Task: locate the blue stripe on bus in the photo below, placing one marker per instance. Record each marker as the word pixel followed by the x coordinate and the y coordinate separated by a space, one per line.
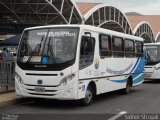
pixel 139 67
pixel 139 79
pixel 120 81
pixel 135 75
pixel 135 65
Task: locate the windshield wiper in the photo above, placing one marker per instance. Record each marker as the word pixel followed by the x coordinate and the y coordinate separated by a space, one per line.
pixel 25 47
pixel 38 47
pixel 50 49
pixel 36 50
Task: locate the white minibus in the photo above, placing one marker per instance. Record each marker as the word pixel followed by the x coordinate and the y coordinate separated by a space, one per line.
pixel 152 66
pixel 77 62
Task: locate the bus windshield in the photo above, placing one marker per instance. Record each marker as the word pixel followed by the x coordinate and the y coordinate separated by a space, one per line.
pixel 152 54
pixel 48 46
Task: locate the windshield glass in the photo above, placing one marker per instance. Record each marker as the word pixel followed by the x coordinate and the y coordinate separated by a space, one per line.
pixel 48 46
pixel 152 53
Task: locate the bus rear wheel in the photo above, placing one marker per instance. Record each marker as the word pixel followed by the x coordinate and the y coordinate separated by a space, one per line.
pixel 89 95
pixel 128 87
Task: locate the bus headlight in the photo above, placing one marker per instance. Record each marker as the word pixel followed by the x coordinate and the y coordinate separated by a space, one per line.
pixel 18 78
pixel 66 79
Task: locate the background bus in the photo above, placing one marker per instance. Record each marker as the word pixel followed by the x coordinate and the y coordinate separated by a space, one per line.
pixel 152 67
pixel 72 62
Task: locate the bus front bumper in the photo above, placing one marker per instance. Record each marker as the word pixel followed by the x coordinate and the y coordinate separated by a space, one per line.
pixel 148 76
pixel 58 92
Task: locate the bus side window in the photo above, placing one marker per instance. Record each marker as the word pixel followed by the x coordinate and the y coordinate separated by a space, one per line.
pixel 118 47
pixel 105 46
pixel 129 48
pixel 139 49
pixel 87 51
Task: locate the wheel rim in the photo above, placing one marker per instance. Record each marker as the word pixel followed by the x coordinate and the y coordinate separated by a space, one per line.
pixel 89 96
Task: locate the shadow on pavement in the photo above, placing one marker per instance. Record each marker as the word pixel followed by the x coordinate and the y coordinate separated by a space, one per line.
pixel 71 104
pixel 152 81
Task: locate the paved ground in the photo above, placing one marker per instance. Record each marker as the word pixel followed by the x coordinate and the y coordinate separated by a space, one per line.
pixel 142 99
pixel 10 98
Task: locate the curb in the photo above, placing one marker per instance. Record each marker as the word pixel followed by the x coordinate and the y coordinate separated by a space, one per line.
pixel 11 102
pixel 8 91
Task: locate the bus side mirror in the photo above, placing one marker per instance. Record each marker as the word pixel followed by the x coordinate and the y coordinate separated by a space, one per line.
pixel 88 33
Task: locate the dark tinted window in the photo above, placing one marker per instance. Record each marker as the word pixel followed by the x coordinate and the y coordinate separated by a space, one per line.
pixel 118 47
pixel 105 45
pixel 87 51
pixel 139 49
pixel 129 48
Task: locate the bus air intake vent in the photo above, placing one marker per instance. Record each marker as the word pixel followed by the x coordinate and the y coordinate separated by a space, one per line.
pixel 34 74
pixel 45 90
pixel 42 94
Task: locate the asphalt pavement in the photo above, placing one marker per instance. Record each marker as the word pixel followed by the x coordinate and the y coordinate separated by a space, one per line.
pixel 142 99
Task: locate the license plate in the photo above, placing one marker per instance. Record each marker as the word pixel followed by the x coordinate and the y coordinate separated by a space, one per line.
pixel 40 89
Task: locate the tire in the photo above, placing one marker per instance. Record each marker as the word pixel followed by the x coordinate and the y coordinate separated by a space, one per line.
pixel 128 87
pixel 89 95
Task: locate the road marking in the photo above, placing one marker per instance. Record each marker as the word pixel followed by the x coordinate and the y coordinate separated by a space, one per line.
pixel 118 115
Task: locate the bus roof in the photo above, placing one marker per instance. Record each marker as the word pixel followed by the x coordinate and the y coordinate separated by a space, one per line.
pixel 91 28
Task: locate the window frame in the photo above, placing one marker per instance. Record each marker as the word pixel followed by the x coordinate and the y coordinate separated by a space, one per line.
pixel 127 54
pixel 87 65
pixel 137 54
pixel 109 52
pixel 118 54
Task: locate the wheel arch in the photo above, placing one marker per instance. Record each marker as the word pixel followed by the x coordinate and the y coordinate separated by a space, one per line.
pixel 130 78
pixel 93 85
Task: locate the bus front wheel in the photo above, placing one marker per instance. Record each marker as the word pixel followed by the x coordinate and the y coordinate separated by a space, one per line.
pixel 89 95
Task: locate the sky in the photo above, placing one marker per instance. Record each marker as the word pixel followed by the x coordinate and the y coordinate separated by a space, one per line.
pixel 145 7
